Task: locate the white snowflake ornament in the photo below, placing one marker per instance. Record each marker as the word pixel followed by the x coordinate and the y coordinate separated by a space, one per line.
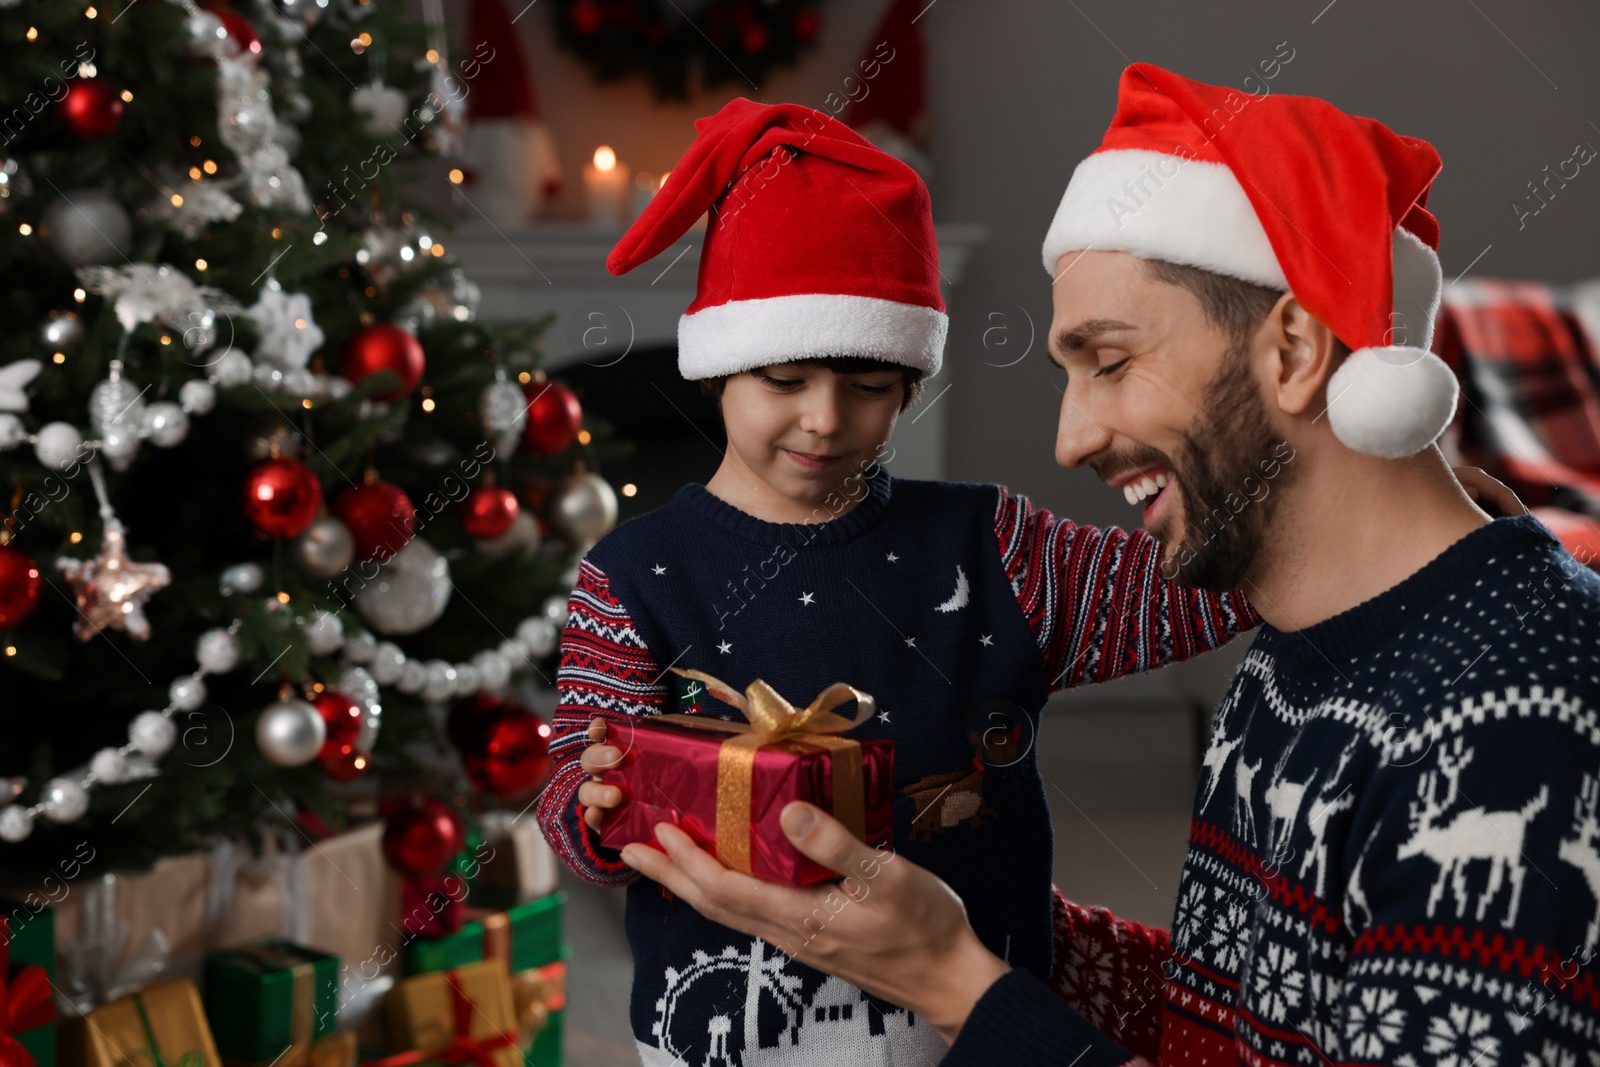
pixel 288 333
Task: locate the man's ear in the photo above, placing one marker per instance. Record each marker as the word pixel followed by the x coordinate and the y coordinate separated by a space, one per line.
pixel 1304 355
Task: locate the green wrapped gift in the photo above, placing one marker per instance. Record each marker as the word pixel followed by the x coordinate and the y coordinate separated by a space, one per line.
pixel 528 937
pixel 27 977
pixel 265 998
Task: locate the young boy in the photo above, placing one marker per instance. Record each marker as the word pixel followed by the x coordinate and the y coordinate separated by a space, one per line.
pixel 960 607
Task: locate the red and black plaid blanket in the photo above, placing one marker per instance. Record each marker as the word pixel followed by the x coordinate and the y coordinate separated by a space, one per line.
pixel 1525 354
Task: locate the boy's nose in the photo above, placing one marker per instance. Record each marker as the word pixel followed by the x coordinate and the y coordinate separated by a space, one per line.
pixel 820 413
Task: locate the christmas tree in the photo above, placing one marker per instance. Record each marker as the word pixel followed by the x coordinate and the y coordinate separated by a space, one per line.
pixel 269 483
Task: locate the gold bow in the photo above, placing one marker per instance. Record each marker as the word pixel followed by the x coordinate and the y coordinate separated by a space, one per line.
pixel 537 993
pixel 775 721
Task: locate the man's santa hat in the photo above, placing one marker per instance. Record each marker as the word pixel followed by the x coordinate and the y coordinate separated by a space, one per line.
pixel 818 244
pixel 1287 192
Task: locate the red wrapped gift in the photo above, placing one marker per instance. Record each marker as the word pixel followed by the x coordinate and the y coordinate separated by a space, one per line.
pixel 726 783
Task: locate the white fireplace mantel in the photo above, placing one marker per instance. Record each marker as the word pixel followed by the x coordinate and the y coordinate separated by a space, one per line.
pixel 528 272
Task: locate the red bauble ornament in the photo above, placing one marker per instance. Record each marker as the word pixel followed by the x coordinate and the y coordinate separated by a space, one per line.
pixel 281 497
pixel 554 415
pixel 19 586
pixel 347 768
pixel 342 718
pixel 506 751
pixel 380 517
pixel 488 511
pixel 384 347
pixel 586 17
pixel 419 841
pixel 465 712
pixel 754 38
pixel 91 109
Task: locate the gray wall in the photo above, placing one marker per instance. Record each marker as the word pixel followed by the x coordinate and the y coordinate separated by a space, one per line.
pixel 1022 89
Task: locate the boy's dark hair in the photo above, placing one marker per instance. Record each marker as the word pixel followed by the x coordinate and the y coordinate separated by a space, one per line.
pixel 1235 307
pixel 910 376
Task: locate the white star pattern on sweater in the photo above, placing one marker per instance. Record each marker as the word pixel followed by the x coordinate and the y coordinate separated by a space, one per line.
pixel 659 569
pixel 808 598
pixel 891 557
pixel 724 648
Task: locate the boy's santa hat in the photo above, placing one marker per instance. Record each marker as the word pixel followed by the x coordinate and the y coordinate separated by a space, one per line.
pixel 1292 193
pixel 818 244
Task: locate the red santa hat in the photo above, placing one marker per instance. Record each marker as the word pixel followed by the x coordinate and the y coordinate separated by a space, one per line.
pixel 818 244
pixel 1292 193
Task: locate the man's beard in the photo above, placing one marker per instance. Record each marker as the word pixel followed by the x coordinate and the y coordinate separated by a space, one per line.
pixel 1223 478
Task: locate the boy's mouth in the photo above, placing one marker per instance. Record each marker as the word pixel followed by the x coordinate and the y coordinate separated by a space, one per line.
pixel 809 460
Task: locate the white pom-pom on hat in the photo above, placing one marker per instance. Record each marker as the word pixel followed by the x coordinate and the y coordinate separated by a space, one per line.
pixel 1391 402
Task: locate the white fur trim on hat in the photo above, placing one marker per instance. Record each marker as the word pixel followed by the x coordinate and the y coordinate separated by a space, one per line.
pixel 744 334
pixel 1163 206
pixel 1418 287
pixel 1391 402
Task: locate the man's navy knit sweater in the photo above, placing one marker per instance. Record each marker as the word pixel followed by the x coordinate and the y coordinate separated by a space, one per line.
pixel 1395 850
pixel 960 608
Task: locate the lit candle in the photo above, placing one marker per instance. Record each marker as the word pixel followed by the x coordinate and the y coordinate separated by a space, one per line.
pixel 605 185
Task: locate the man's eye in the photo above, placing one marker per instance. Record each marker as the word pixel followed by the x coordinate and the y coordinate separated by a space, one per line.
pixel 780 383
pixel 1107 369
pixel 875 390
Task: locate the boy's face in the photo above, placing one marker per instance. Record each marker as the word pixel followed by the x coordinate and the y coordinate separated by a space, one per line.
pixel 804 429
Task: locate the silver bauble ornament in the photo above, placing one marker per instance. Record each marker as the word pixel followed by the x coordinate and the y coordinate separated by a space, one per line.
pixel 152 733
pixel 324 634
pixel 521 539
pixel 86 226
pixel 325 549
pixel 61 330
pixel 217 651
pixel 119 444
pixel 109 765
pixel 57 445
pixel 15 823
pixel 582 507
pixel 12 432
pixel 240 578
pixel 410 591
pixel 290 732
pixel 232 368
pixel 503 410
pixel 197 396
pixel 164 424
pixel 64 799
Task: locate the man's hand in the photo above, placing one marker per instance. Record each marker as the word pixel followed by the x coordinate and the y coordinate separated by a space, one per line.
pixel 1490 494
pixel 891 927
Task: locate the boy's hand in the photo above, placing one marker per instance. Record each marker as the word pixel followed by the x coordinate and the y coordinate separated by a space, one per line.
pixel 596 798
pixel 1489 494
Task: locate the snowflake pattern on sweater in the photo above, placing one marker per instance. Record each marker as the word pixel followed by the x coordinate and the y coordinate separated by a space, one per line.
pixel 1393 856
pixel 952 604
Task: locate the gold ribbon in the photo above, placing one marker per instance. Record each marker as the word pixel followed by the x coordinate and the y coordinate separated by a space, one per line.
pixel 775 721
pixel 335 1050
pixel 537 993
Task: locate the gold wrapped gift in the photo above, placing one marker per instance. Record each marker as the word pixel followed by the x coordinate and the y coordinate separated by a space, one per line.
pixel 429 1013
pixel 159 1026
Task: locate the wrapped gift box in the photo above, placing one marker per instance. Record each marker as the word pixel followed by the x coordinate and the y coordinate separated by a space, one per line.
pixel 528 938
pixel 27 974
pixel 726 783
pixel 425 1013
pixel 162 1023
pixel 274 996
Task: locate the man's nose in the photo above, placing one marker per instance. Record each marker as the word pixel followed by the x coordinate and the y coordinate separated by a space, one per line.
pixel 1078 434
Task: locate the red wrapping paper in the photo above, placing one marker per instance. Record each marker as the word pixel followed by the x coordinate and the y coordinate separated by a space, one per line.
pixel 668 773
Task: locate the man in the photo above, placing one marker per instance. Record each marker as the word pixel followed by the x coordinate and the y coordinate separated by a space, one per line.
pixel 1394 847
